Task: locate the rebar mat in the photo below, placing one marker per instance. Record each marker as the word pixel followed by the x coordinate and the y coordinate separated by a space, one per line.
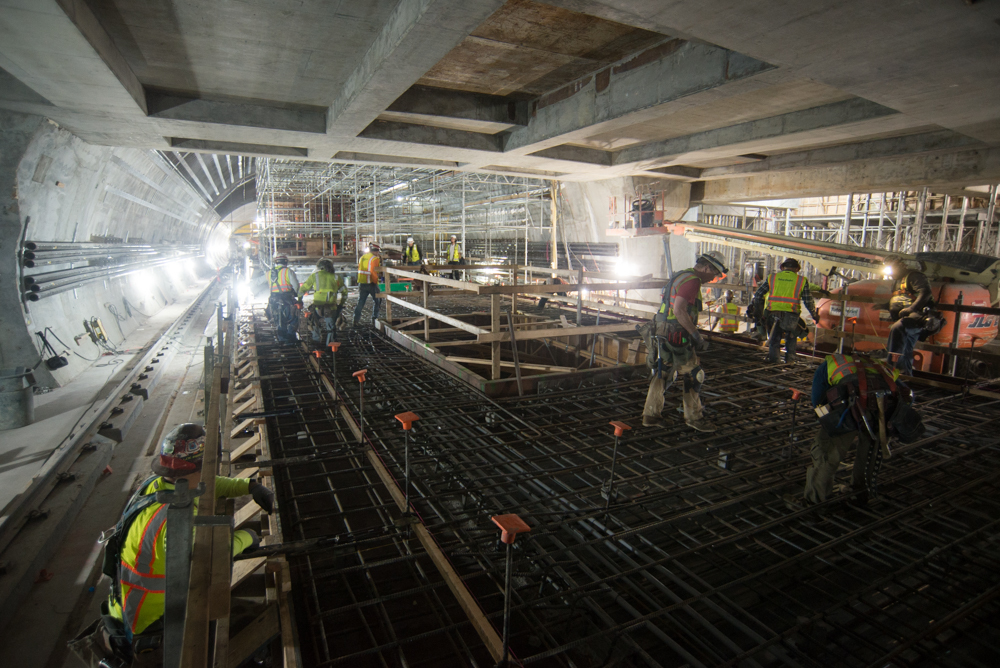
pixel 697 561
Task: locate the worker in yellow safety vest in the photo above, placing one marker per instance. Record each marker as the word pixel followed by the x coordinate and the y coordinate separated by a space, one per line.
pixel 329 296
pixel 671 350
pixel 856 397
pixel 131 629
pixel 281 306
pixel 730 320
pixel 783 295
pixel 411 254
pixel 368 267
pixel 455 256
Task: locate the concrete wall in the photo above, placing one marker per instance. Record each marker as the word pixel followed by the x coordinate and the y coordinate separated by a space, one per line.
pixel 56 187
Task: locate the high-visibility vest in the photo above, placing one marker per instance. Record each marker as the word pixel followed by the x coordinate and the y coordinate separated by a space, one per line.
pixel 143 557
pixel 366 269
pixel 784 292
pixel 278 278
pixel 327 286
pixel 839 367
pixel 667 304
pixel 453 253
pixel 730 321
pixel 412 254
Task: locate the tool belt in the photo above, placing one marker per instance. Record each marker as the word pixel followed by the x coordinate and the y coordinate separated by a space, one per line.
pixel 105 642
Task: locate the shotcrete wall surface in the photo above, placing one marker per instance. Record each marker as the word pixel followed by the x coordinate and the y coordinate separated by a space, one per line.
pixel 56 187
pixel 584 217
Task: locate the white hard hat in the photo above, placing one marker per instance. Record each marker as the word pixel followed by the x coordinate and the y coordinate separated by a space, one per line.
pixel 409 240
pixel 454 236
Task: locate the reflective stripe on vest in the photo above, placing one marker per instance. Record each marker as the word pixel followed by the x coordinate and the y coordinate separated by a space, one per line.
pixel 412 254
pixel 280 282
pixel 139 579
pixel 680 279
pixel 364 275
pixel 839 367
pixel 453 254
pixel 784 291
pixel 730 321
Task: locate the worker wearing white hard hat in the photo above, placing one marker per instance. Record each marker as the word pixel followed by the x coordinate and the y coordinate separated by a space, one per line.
pixel 411 254
pixel 455 256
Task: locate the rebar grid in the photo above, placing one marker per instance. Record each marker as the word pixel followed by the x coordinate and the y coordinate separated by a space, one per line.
pixel 698 561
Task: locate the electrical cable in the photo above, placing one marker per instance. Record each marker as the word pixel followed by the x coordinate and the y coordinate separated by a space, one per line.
pixel 63 344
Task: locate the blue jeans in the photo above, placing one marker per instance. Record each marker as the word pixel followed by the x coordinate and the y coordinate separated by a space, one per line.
pixel 903 337
pixel 366 290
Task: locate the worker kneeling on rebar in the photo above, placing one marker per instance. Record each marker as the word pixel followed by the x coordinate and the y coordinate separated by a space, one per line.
pixel 782 297
pixel 857 397
pixel 673 341
pixel 130 630
pixel 330 294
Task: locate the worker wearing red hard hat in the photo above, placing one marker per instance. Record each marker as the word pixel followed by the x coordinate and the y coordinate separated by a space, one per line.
pixel 131 629
pixel 368 267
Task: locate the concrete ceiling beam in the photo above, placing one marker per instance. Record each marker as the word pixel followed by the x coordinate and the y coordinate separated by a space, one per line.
pixel 927 142
pixel 944 171
pixel 58 49
pixel 630 91
pixel 424 102
pixel 246 113
pixel 432 136
pixel 417 35
pixel 213 146
pixel 755 135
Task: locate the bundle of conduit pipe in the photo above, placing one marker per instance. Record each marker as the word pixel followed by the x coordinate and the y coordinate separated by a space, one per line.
pixel 87 262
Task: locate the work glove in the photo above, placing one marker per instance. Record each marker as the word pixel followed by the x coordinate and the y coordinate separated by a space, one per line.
pixel 263 496
pixel 300 301
pixel 700 343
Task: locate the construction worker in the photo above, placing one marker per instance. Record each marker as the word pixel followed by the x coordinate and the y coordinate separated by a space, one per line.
pixel 411 254
pixel 555 280
pixel 281 306
pixel 730 320
pixel 675 341
pixel 912 309
pixel 783 295
pixel 131 628
pixel 856 397
pixel 368 282
pixel 455 256
pixel 328 300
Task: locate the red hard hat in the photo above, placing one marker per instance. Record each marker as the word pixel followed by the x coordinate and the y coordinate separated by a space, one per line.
pixel 181 451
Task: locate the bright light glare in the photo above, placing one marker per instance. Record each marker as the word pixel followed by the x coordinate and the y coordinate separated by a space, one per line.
pixel 625 268
pixel 243 292
pixel 246 245
pixel 887 271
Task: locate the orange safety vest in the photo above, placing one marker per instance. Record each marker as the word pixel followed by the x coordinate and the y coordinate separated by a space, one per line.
pixel 730 320
pixel 280 282
pixel 784 292
pixel 366 269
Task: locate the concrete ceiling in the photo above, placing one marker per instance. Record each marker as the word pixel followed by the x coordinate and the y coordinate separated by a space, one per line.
pixel 733 95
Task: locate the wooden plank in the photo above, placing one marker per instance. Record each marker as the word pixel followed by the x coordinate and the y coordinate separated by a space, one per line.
pixel 557 332
pixel 448 344
pixel 574 287
pixel 245 514
pixel 437 280
pixel 246 405
pixel 254 636
pixel 244 568
pixel 246 473
pixel 194 647
pixel 454 322
pixel 244 447
pixel 242 393
pixel 218 595
pixel 505 364
pixel 240 427
pixel 289 633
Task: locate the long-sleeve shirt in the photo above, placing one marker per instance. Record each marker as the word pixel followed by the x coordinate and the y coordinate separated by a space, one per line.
pixel 806 297
pixel 329 288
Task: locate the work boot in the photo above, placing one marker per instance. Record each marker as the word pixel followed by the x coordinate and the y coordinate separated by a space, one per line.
pixel 652 421
pixel 701 424
pixel 793 502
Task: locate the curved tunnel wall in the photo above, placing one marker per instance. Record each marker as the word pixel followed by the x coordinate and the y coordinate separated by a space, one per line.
pixel 56 187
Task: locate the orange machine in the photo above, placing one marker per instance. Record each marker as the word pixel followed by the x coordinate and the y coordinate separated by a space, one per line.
pixel 974 330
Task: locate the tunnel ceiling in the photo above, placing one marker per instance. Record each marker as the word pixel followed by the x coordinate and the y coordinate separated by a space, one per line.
pixel 730 95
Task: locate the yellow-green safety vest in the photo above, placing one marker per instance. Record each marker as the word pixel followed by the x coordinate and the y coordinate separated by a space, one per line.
pixel 839 367
pixel 730 320
pixel 453 253
pixel 784 292
pixel 667 305
pixel 328 287
pixel 143 556
pixel 412 254
pixel 366 269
